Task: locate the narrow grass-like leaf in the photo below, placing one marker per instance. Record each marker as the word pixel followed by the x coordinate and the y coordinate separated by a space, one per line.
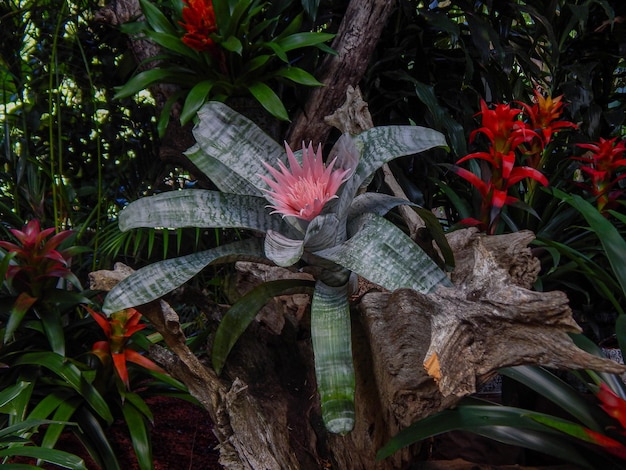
pixel 95 440
pixel 383 254
pixel 332 350
pixel 157 20
pixel 612 242
pixel 53 456
pixel 241 314
pixel 157 279
pixel 11 396
pixel 200 208
pixel 139 435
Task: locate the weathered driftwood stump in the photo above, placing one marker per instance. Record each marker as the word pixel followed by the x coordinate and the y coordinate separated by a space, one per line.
pixel 414 355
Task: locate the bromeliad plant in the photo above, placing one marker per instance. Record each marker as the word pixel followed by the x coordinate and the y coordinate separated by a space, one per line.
pixel 604 163
pixel 34 269
pixel 519 143
pixel 319 218
pixel 214 50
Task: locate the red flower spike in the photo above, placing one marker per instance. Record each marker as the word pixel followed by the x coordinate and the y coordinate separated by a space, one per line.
pixel 602 163
pixel 610 445
pixel 199 22
pixel 118 328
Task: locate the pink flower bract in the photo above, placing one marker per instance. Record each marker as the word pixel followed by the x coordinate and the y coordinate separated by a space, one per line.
pixel 302 191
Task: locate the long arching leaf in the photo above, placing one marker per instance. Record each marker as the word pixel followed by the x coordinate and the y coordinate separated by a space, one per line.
pixel 383 254
pixel 155 280
pixel 241 314
pixel 230 150
pixel 200 208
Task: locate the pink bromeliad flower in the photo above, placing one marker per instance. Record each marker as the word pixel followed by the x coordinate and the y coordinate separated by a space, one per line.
pixel 302 191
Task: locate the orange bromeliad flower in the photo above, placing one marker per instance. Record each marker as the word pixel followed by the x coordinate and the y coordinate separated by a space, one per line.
pixel 302 191
pixel 199 22
pixel 118 329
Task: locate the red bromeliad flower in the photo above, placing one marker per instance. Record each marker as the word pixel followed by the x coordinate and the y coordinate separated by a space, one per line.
pixel 506 132
pixel 118 328
pixel 302 191
pixel 38 264
pixel 615 407
pixel 199 22
pixel 602 163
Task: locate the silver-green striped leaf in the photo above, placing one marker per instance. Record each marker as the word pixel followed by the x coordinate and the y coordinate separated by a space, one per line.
pixel 332 350
pixel 380 252
pixel 382 144
pixel 200 208
pixel 157 279
pixel 282 250
pixel 230 150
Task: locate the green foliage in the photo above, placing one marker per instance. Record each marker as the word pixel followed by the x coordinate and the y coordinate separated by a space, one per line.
pixel 49 375
pixel 243 48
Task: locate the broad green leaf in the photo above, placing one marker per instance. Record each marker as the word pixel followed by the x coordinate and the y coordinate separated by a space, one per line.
pixel 139 435
pixel 612 242
pixel 232 44
pixel 54 456
pixel 298 75
pixel 269 100
pixel 304 39
pixel 72 376
pixel 157 20
pixel 230 150
pixel 383 254
pixel 195 99
pixel 200 208
pixel 145 79
pixel 241 314
pixel 157 279
pixel 332 351
pixel 173 43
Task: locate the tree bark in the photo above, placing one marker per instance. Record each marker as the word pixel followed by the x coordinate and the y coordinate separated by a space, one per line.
pixel 358 34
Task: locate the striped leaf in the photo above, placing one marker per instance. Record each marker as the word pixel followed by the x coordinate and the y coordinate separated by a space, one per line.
pixel 200 208
pixel 382 144
pixel 383 254
pixel 332 350
pixel 230 150
pixel 157 279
